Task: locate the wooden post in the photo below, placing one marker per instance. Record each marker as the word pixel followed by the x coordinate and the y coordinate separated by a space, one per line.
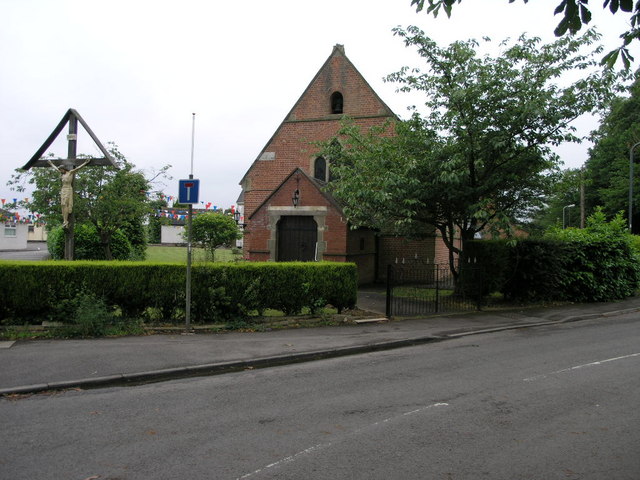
pixel 72 117
pixel 72 138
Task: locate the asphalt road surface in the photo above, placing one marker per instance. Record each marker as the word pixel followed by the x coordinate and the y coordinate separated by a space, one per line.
pixel 34 251
pixel 557 402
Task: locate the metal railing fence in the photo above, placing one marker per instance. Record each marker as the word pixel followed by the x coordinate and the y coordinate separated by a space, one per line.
pixel 414 290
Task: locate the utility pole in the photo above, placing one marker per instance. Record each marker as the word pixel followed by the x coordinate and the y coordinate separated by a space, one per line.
pixel 582 203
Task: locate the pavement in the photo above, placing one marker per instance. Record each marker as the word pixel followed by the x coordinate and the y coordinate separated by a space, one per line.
pixel 30 366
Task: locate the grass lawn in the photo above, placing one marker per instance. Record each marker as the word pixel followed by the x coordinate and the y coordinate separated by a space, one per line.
pixel 179 255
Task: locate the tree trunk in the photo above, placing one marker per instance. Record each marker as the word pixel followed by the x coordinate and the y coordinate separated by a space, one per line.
pixel 105 240
pixel 69 239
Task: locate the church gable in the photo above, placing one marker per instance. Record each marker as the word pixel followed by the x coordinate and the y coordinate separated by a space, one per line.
pixel 288 213
pixel 338 89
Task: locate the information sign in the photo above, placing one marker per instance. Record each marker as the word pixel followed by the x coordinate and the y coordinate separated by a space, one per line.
pixel 188 190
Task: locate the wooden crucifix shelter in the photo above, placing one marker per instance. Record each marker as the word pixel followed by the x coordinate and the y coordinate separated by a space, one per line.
pixel 68 167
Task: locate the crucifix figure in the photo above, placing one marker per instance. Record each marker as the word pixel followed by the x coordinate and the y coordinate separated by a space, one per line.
pixel 67 168
pixel 66 192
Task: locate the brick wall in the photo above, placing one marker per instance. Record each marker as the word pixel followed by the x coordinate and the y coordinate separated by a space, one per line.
pixel 294 146
pixel 310 121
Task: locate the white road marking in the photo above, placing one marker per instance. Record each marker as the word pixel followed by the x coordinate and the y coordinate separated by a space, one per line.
pixel 592 364
pixel 320 446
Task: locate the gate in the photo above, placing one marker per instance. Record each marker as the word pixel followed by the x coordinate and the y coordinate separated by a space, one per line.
pixel 414 290
pixel 297 237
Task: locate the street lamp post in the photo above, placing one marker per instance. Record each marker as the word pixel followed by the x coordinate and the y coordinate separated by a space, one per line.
pixel 631 185
pixel 563 210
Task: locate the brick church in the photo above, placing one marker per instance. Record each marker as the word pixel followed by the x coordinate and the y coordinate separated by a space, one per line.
pixel 288 215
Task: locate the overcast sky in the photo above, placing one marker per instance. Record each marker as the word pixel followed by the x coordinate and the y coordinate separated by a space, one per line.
pixel 136 70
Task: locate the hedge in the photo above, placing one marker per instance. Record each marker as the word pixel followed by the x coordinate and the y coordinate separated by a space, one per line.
pixel 580 270
pixel 88 245
pixel 35 291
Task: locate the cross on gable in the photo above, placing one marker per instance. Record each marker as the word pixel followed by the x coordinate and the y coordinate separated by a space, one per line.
pixel 72 117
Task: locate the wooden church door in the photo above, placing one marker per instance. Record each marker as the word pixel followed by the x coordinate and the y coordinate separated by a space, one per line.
pixel 297 237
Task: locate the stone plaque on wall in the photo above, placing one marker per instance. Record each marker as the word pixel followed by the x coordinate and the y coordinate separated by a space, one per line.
pixel 268 156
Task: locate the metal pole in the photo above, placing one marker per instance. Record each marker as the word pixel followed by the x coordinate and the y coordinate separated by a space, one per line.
pixel 631 186
pixel 563 209
pixel 389 291
pixel 193 137
pixel 582 200
pixel 187 312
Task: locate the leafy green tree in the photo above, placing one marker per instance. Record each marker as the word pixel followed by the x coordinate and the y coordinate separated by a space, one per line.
pixel 156 221
pixel 575 14
pixel 564 191
pixel 597 226
pixel 214 230
pixel 607 168
pixel 108 198
pixel 481 154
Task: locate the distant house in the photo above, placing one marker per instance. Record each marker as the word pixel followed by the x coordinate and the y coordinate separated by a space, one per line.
pixel 240 216
pixel 171 233
pixel 37 233
pixel 13 234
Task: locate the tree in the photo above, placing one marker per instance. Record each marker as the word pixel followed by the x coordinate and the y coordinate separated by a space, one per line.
pixel 214 230
pixel 154 227
pixel 575 14
pixel 565 191
pixel 110 199
pixel 481 154
pixel 607 168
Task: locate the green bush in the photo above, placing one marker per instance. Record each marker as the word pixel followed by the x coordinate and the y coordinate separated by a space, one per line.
pixel 88 245
pixel 43 290
pixel 598 263
pixel 487 262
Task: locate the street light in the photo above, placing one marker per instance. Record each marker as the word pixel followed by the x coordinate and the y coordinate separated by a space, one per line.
pixel 563 209
pixel 631 185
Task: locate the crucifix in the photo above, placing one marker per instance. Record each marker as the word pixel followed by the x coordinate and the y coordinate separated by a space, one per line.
pixel 68 168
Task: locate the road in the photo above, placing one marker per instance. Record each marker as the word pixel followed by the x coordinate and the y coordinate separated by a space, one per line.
pixel 34 251
pixel 555 402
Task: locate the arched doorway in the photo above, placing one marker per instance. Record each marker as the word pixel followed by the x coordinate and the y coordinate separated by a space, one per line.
pixel 297 238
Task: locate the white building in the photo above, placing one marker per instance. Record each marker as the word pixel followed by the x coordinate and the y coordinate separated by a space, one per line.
pixel 13 236
pixel 172 234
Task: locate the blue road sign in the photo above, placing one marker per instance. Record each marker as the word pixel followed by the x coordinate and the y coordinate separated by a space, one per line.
pixel 188 190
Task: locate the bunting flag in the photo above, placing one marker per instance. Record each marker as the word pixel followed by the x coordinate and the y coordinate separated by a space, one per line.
pixel 172 213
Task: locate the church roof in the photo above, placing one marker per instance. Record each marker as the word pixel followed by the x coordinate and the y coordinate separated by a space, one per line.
pixel 338 51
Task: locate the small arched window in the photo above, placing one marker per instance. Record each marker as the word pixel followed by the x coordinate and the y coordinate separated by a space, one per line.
pixel 336 102
pixel 320 169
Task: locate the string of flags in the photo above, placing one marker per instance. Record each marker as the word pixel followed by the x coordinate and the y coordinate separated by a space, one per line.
pixel 174 199
pixel 173 213
pixel 15 202
pixel 32 218
pixel 180 214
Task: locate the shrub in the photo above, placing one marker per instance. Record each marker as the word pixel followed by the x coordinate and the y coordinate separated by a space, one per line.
pixel 88 245
pixel 35 291
pixel 597 263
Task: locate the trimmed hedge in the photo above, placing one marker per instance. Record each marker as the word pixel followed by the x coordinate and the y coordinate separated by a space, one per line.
pixel 34 291
pixel 580 270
